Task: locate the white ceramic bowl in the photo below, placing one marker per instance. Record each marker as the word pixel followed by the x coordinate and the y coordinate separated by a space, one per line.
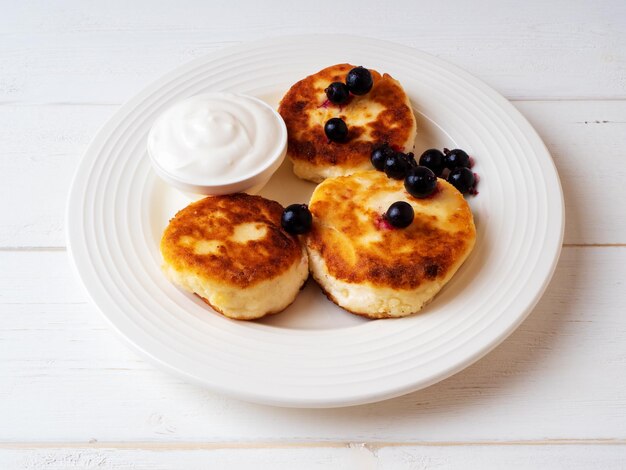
pixel 250 181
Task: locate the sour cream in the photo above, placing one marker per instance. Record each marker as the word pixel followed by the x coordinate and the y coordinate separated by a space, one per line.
pixel 216 143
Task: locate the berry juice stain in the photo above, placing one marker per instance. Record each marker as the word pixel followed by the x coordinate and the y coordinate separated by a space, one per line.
pixel 382 224
pixel 474 191
pixel 325 104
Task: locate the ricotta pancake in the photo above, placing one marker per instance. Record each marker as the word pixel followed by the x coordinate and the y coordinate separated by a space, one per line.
pixel 232 252
pixel 383 114
pixel 370 268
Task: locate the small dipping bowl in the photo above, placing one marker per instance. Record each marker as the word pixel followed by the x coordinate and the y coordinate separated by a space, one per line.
pixel 218 143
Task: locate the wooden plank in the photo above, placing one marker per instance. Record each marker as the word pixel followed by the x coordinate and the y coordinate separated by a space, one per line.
pixel 347 457
pixel 43 144
pixel 106 52
pixel 587 142
pixel 64 376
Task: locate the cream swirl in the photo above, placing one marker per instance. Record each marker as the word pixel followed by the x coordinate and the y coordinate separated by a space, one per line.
pixel 215 138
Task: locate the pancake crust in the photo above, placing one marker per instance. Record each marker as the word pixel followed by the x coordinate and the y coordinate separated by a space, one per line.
pixel 232 251
pixel 213 219
pixel 351 247
pixel 382 115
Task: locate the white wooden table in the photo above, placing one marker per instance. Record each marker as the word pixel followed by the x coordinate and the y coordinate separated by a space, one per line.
pixel 553 395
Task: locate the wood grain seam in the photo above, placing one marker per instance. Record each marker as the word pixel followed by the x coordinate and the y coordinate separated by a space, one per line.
pixel 44 303
pixel 32 248
pixel 34 104
pixel 374 446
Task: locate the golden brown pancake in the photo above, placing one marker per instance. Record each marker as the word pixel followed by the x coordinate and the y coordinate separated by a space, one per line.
pixel 232 251
pixel 370 268
pixel 382 115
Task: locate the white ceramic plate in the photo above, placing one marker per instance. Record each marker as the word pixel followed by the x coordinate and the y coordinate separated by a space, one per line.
pixel 314 354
